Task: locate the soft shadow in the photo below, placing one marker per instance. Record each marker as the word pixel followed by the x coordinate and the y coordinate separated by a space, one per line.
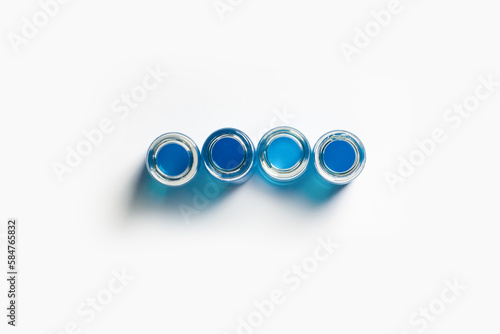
pixel 185 203
pixel 192 199
pixel 310 187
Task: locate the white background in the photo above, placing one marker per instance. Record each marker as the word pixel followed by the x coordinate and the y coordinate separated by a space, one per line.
pixel 396 248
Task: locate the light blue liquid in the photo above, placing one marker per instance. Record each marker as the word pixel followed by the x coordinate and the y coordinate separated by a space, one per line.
pixel 172 159
pixel 227 153
pixel 284 153
pixel 339 156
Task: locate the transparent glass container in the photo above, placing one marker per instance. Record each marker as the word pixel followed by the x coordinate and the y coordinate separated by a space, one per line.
pixel 229 155
pixel 283 155
pixel 173 159
pixel 339 157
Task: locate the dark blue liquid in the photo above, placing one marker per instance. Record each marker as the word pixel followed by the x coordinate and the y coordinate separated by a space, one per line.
pixel 339 156
pixel 227 153
pixel 172 159
pixel 284 153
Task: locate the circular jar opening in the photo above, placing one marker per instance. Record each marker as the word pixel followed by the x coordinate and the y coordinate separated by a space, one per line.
pixel 339 156
pixel 173 159
pixel 228 154
pixel 283 154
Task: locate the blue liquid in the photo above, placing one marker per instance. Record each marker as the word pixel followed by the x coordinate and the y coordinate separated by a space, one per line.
pixel 227 153
pixel 172 159
pixel 339 156
pixel 284 153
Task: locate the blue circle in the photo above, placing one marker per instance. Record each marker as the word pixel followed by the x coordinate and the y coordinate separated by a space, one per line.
pixel 284 153
pixel 339 156
pixel 227 153
pixel 172 159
